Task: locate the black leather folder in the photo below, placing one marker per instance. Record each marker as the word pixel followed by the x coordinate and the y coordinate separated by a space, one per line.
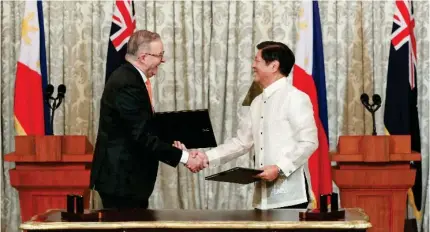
pixel 191 127
pixel 236 175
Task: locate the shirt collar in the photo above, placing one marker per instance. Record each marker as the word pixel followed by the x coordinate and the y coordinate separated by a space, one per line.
pixel 141 74
pixel 272 88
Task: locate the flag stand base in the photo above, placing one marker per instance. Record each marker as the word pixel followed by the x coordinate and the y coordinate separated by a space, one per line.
pixel 316 215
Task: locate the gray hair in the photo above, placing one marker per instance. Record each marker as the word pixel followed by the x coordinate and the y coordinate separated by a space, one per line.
pixel 141 40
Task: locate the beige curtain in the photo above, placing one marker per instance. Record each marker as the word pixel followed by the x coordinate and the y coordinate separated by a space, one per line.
pixel 209 49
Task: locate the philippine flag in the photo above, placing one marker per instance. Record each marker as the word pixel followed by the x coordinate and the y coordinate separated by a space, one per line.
pixel 30 111
pixel 309 77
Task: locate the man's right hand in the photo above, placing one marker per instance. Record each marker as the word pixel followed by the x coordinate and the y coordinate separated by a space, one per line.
pixel 197 161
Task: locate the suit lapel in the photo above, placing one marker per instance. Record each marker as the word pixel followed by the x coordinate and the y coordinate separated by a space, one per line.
pixel 140 80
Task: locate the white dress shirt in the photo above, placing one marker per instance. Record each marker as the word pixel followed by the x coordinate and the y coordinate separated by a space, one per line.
pixel 185 154
pixel 281 127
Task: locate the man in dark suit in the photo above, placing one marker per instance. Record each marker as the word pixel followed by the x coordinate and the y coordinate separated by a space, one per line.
pixel 127 151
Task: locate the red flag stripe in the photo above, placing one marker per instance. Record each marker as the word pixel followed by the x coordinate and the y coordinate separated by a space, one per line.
pixel 317 169
pixel 116 19
pixel 400 37
pixel 413 41
pixel 28 98
pixel 404 11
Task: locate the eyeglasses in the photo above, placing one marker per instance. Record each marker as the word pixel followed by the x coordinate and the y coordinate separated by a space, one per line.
pixel 156 55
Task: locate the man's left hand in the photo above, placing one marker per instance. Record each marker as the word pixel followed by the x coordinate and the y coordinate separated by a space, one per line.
pixel 179 145
pixel 270 173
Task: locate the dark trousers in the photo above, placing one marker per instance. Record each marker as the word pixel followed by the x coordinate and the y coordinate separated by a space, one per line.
pixel 117 202
pixel 301 205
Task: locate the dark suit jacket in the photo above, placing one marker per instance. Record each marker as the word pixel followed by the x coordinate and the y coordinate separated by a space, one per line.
pixel 127 152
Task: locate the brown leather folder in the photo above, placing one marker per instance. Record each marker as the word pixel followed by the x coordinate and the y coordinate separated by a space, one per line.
pixel 236 175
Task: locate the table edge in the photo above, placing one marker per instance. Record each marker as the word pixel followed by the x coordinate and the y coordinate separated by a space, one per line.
pixel 356 224
pixel 199 225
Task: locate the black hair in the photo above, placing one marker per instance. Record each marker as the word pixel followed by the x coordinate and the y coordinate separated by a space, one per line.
pixel 271 51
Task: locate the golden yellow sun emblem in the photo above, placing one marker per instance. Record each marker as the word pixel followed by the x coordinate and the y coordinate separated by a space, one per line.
pixel 301 12
pixel 27 28
pixel 302 25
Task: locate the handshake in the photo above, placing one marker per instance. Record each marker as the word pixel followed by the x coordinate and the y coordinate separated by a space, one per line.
pixel 197 160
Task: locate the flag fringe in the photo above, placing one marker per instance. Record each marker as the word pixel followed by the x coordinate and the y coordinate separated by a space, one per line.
pixel 411 199
pixel 313 203
pixel 18 128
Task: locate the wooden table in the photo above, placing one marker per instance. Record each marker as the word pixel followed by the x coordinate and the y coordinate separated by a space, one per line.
pixel 198 220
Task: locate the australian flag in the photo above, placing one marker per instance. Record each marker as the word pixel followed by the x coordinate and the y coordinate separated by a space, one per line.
pixel 401 112
pixel 123 25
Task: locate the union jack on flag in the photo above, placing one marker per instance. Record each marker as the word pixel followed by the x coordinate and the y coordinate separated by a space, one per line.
pixel 124 18
pixel 401 112
pixel 404 33
pixel 123 26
